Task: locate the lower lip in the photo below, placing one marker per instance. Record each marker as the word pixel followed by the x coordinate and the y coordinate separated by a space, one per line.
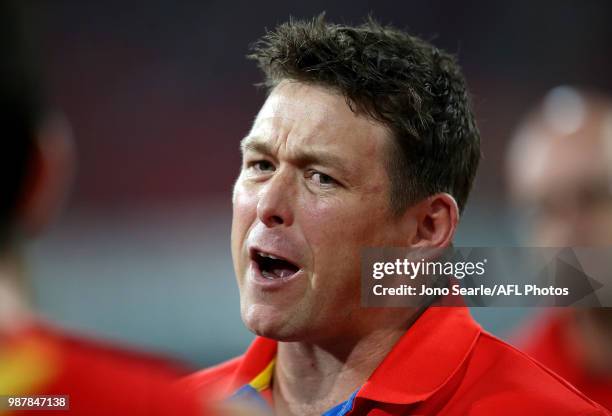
pixel 270 284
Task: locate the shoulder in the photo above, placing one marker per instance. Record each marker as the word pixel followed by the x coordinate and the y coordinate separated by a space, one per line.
pixel 510 379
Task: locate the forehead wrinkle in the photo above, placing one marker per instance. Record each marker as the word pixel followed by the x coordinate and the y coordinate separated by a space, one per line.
pixel 299 157
pixel 263 138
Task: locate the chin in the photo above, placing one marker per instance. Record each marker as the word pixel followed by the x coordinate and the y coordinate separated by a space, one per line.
pixel 269 322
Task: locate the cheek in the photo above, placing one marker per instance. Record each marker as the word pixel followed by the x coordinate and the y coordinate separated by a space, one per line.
pixel 339 230
pixel 322 221
pixel 244 213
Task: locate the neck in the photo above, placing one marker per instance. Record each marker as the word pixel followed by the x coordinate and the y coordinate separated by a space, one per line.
pixel 312 377
pixel 13 304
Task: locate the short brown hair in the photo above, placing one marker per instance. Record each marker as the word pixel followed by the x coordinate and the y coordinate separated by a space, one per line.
pixel 416 90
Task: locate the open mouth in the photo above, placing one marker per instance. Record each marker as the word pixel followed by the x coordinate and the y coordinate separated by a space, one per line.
pixel 272 267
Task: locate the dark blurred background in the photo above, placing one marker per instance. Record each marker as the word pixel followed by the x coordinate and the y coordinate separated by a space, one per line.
pixel 159 94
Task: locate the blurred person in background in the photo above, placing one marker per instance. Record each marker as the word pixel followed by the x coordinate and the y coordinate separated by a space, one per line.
pixel 37 163
pixel 366 139
pixel 560 171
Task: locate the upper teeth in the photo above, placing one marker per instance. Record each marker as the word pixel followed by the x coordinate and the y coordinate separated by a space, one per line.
pixel 270 256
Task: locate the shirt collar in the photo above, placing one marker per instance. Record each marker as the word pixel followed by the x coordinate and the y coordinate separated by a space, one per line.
pixel 420 363
pixel 424 358
pixel 259 356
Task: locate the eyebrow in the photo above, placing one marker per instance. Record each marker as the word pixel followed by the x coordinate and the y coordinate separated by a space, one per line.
pixel 301 158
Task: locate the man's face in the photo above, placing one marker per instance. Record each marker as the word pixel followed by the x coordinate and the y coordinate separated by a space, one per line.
pixel 566 182
pixel 313 190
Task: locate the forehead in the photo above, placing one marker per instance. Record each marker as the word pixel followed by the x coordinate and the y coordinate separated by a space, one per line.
pixel 310 116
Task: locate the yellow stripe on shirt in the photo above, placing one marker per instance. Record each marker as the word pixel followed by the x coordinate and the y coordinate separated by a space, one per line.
pixel 262 381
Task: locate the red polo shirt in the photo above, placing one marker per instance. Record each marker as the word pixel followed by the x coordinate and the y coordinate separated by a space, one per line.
pixel 445 364
pixel 99 379
pixel 549 343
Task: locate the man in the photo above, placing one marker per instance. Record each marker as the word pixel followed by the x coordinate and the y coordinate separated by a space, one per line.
pixel 366 139
pixel 35 357
pixel 560 170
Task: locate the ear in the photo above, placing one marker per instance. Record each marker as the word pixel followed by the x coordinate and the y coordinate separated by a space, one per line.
pixel 436 218
pixel 50 174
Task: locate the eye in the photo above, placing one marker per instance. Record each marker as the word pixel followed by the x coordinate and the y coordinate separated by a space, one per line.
pixel 321 179
pixel 261 166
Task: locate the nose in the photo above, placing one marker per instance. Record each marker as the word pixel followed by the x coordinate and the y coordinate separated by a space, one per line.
pixel 274 207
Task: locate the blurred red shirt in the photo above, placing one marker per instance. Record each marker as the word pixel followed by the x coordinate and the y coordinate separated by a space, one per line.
pixel 548 342
pixel 100 379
